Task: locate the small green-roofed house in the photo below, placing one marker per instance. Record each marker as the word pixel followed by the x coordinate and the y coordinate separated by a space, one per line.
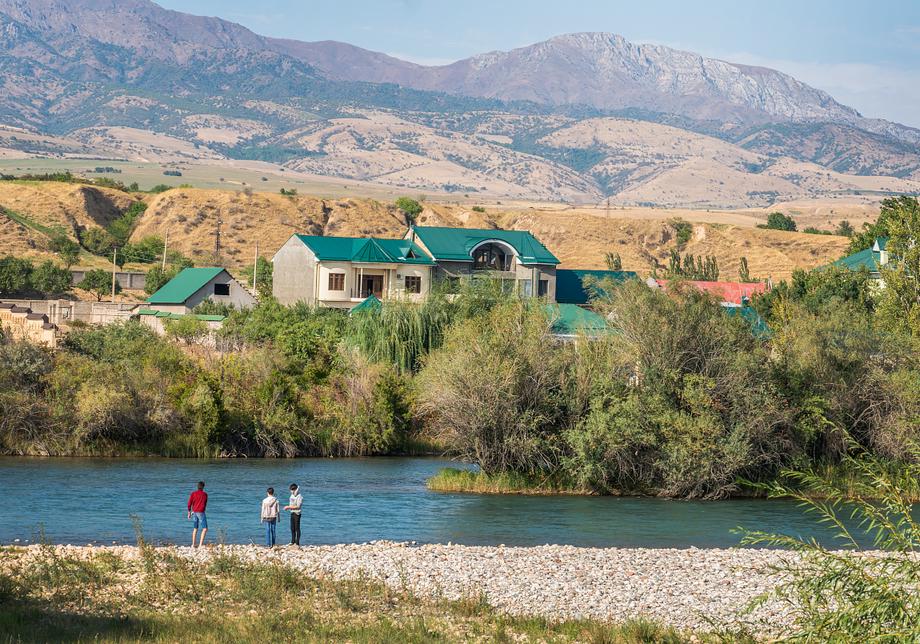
pixel 869 259
pixel 192 286
pixel 159 320
pixel 580 286
pixel 514 255
pixel 344 271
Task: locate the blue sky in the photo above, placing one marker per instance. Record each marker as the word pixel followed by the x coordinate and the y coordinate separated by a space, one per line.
pixel 866 54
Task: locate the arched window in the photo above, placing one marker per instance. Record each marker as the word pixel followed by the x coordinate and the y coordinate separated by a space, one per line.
pixel 492 257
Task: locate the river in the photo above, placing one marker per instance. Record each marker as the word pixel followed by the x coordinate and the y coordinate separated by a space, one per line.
pixel 92 500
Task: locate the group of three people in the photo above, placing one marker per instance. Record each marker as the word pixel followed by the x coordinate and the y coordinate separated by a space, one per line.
pixel 271 511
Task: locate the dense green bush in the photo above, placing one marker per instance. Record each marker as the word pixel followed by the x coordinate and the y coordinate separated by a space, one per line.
pixel 494 392
pixel 779 221
pixel 97 241
pixel 686 405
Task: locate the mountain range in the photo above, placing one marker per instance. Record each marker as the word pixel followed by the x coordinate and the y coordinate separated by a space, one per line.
pixel 579 117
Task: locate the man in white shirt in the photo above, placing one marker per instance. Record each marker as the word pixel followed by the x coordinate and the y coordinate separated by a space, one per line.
pixel 294 506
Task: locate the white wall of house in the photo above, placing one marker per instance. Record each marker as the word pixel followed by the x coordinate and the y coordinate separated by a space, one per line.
pixel 343 268
pixel 399 281
pixel 293 273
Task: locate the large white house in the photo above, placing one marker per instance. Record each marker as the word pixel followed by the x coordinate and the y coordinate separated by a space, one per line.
pixel 344 271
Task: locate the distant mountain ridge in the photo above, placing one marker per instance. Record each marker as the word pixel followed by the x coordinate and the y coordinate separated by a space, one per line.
pixel 78 67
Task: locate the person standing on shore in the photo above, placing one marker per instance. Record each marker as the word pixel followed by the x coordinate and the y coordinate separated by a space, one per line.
pixel 270 517
pixel 197 502
pixel 294 506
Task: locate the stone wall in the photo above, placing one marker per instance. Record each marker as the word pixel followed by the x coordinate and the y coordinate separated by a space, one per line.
pixel 24 324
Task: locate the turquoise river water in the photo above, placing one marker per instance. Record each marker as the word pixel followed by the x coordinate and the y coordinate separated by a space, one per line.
pixel 91 500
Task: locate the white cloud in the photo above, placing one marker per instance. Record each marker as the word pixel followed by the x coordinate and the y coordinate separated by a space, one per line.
pixel 876 91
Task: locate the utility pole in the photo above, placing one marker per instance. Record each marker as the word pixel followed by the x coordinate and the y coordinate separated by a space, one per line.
pixel 255 267
pixel 165 242
pixel 217 241
pixel 114 268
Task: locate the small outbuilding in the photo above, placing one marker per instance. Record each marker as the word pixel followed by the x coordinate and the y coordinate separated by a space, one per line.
pixel 192 286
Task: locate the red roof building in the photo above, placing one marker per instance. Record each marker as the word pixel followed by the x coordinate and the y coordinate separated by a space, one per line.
pixel 733 292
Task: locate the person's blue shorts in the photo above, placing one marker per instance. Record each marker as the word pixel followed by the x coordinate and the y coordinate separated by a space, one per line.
pixel 200 520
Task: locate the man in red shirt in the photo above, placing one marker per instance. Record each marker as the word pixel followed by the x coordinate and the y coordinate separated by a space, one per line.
pixel 197 502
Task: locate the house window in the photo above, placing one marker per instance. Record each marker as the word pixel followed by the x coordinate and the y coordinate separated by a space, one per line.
pixel 543 288
pixel 526 288
pixel 491 257
pixel 221 289
pixel 336 281
pixel 413 284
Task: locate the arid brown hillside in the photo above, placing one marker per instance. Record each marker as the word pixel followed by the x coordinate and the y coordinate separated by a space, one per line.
pixel 190 218
pixel 579 239
pixel 31 212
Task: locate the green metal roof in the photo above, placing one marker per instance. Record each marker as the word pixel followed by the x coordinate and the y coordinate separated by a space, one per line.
pixel 457 244
pixel 188 282
pixel 867 259
pixel 569 319
pixel 367 305
pixel 366 250
pixel 881 242
pixel 571 289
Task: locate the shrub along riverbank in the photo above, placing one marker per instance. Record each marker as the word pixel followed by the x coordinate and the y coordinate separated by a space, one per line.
pixel 680 399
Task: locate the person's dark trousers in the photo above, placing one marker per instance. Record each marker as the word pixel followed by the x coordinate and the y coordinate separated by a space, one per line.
pixel 295 528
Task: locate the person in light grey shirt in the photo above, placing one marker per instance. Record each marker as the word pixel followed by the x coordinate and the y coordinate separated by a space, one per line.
pixel 270 516
pixel 295 505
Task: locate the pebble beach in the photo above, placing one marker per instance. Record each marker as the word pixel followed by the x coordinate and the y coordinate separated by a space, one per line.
pixel 692 589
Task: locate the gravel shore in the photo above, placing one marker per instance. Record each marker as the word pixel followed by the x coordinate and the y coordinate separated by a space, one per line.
pixel 688 589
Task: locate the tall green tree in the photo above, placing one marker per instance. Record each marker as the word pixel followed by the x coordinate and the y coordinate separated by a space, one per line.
pixel 901 299
pixel 410 208
pixel 744 273
pixel 99 283
pixel 15 275
pixel 50 279
pixel 893 207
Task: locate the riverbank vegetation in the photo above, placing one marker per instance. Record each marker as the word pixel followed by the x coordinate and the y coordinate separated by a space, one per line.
pixel 841 597
pixel 680 399
pixel 48 594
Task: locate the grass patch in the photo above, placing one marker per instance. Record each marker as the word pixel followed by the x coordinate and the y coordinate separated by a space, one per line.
pixel 162 597
pixel 455 480
pixel 842 477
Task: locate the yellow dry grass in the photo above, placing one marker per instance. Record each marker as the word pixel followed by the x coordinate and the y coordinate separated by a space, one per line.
pixel 580 236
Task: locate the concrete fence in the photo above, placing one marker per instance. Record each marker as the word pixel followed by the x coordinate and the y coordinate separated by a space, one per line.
pixel 131 281
pixel 66 311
